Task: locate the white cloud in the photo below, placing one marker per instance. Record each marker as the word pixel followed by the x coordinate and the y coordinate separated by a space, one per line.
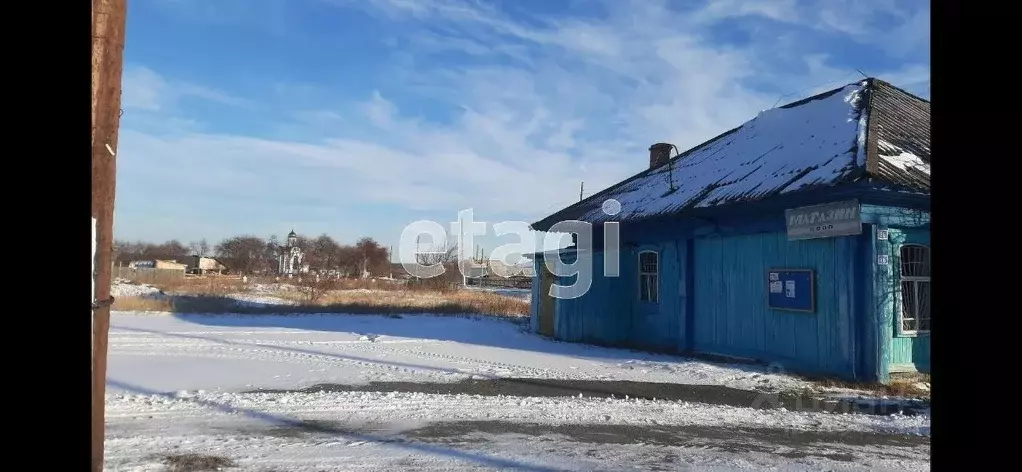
pixel 538 105
pixel 889 25
pixel 144 89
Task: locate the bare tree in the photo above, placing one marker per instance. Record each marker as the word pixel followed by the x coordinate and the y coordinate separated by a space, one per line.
pixel 314 287
pixel 373 258
pixel 322 253
pixel 440 254
pixel 348 260
pixel 200 248
pixel 443 256
pixel 244 254
pixel 170 250
pixel 251 254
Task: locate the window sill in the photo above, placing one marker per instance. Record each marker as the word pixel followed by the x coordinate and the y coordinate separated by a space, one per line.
pixel 913 334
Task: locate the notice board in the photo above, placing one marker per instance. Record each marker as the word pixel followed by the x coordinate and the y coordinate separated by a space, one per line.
pixel 791 290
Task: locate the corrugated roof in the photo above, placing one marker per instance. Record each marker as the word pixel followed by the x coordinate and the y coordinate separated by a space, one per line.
pixel 867 129
pixel 899 134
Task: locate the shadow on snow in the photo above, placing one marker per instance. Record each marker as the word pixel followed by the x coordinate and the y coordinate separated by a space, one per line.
pixel 276 420
pixel 494 385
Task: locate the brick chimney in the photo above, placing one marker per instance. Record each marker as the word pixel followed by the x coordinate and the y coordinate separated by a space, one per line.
pixel 659 154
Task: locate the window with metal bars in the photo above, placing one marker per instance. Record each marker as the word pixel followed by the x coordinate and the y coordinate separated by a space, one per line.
pixel 915 288
pixel 649 277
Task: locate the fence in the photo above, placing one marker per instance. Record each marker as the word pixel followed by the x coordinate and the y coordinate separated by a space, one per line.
pixel 501 282
pixel 147 275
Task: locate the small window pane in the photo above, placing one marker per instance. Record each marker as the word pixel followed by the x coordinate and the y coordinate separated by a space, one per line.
pixel 915 287
pixel 923 288
pixel 908 300
pixel 648 277
pixel 915 261
pixel 648 262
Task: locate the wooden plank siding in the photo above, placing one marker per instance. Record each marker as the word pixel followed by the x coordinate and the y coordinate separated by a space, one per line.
pixel 713 295
pixel 732 317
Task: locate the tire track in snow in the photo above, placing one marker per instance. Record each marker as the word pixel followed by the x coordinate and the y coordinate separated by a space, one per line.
pixel 415 407
pixel 515 370
pixel 251 352
pixel 158 346
pixel 385 347
pixel 297 332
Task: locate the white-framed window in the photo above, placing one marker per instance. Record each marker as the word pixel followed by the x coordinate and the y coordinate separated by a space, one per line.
pixel 914 267
pixel 649 277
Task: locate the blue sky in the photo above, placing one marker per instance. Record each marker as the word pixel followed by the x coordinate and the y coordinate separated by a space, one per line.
pixel 357 117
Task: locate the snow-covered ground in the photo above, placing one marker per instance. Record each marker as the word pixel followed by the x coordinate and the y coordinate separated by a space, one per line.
pixel 389 431
pixel 124 288
pixel 257 300
pixel 244 352
pixel 522 293
pixel 188 384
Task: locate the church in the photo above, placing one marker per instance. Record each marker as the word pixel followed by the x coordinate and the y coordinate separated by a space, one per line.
pixel 291 260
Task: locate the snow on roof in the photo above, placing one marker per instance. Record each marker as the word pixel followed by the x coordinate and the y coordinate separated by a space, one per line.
pixel 819 141
pixel 906 161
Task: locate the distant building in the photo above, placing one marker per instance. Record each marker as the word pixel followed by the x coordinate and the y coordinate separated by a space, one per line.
pixel 398 271
pixel 291 260
pixel 502 269
pixel 205 265
pixel 800 238
pixel 475 269
pixel 158 264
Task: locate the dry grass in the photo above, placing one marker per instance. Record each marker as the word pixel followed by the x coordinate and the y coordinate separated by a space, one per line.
pixel 211 285
pixel 369 284
pixel 142 304
pixel 901 385
pixel 210 295
pixel 196 463
pixel 412 301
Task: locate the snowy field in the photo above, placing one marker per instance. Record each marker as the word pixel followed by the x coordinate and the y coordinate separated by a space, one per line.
pixel 258 295
pixel 191 385
pixel 522 293
pixel 159 352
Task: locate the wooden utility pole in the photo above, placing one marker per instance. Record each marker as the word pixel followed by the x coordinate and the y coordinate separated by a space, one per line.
pixel 108 24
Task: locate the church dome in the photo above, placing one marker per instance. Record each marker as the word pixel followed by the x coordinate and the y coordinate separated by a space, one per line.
pixel 292 234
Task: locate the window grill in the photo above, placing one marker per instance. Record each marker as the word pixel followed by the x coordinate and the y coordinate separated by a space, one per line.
pixel 649 275
pixel 915 288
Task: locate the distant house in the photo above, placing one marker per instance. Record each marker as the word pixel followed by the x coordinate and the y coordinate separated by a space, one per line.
pixel 475 270
pixel 205 265
pixel 502 269
pixel 398 271
pixel 158 264
pixel 800 237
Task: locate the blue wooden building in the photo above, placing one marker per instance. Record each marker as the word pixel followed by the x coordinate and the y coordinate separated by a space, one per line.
pixel 800 237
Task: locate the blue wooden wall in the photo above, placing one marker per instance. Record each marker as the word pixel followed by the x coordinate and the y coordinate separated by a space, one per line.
pixel 601 315
pixel 713 285
pixel 731 315
pixel 907 351
pixel 659 326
